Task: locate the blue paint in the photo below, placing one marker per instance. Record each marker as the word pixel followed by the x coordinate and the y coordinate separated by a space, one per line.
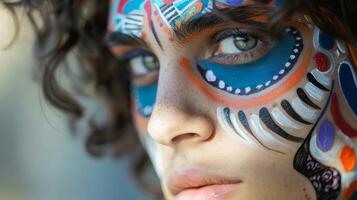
pixel 348 82
pixel 256 72
pixel 326 41
pixel 325 136
pixel 234 2
pixel 145 96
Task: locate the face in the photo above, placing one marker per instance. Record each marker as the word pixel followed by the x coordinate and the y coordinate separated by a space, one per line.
pixel 226 111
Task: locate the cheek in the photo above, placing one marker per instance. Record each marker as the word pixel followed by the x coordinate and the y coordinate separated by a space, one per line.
pixel 151 147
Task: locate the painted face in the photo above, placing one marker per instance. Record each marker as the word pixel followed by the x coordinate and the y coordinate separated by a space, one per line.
pixel 227 112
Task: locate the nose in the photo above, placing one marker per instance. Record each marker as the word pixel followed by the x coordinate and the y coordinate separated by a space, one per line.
pixel 178 117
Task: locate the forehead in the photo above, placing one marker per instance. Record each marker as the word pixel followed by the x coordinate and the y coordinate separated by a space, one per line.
pixel 128 16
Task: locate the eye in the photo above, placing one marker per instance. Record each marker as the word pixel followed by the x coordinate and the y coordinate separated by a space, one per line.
pixel 236 46
pixel 245 63
pixel 143 65
pixel 144 68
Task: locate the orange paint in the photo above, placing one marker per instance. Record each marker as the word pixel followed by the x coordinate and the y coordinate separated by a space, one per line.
pixel 252 102
pixel 350 190
pixel 348 158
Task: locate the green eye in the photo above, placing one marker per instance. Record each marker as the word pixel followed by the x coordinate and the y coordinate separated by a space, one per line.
pixel 150 62
pixel 245 43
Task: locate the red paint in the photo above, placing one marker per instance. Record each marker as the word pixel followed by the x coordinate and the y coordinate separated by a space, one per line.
pixel 148 9
pixel 350 190
pixel 121 6
pixel 339 120
pixel 322 62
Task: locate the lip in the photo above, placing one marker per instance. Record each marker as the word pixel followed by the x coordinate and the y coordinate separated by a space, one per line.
pixel 193 184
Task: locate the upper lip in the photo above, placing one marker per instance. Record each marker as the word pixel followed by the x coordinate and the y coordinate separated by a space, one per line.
pixel 181 180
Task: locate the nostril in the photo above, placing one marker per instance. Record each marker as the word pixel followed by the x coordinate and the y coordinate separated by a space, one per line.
pixel 186 136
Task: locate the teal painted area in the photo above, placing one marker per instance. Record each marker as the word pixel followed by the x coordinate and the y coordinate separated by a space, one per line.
pixel 145 96
pixel 257 72
pixel 134 5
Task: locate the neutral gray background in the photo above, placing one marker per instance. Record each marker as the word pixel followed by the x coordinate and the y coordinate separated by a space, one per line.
pixel 39 159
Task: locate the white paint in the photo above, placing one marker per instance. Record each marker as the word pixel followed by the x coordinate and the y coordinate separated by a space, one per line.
pixel 265 136
pixel 321 78
pixel 281 72
pixel 331 155
pixel 275 77
pixel 229 89
pixel 348 178
pixel 248 89
pixel 238 91
pixel 241 130
pixel 221 84
pixel 341 46
pixel 154 153
pixel 227 128
pixel 283 120
pixel 288 64
pixel 267 83
pixel 259 87
pixel 316 38
pixel 303 110
pixel 210 76
pixel 314 92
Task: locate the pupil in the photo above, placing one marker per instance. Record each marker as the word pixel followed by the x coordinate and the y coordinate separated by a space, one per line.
pixel 150 62
pixel 245 43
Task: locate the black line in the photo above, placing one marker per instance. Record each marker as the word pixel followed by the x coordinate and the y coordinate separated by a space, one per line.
pixel 313 80
pixel 134 19
pixel 244 121
pixel 155 35
pixel 290 110
pixel 227 112
pixel 269 122
pixel 303 97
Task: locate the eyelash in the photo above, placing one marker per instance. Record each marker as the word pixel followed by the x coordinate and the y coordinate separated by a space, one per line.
pixel 144 79
pixel 262 47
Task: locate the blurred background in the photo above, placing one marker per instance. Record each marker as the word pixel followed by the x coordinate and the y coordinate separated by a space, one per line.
pixel 39 158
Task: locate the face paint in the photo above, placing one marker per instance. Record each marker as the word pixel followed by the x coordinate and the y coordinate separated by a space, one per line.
pixel 145 98
pixel 258 111
pixel 348 83
pixel 127 16
pixel 236 79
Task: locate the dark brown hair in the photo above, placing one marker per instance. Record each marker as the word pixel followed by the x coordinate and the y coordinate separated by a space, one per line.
pixel 80 26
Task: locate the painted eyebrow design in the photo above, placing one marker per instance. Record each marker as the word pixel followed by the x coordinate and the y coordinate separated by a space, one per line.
pixel 239 14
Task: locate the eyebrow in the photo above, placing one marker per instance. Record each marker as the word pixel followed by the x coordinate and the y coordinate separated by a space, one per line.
pixel 117 38
pixel 240 14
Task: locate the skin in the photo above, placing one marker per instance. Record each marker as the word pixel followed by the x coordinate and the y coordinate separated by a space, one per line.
pixel 183 123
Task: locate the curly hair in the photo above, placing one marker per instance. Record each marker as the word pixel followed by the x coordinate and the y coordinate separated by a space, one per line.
pixel 81 26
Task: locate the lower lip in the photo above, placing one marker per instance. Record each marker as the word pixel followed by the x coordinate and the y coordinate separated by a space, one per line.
pixel 211 192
